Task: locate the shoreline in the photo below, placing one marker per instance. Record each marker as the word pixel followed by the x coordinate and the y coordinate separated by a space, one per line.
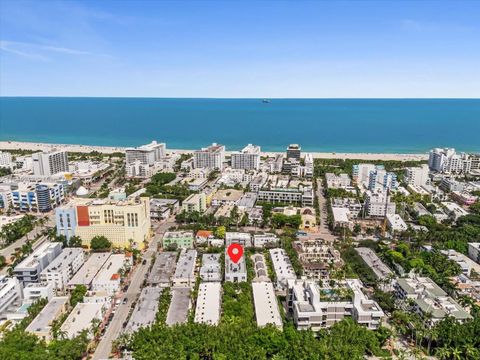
pixel 35 146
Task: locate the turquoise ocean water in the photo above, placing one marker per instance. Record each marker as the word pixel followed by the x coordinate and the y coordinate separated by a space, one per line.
pixel 329 125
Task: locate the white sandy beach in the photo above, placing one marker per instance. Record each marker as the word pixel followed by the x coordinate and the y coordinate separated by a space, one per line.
pixel 18 145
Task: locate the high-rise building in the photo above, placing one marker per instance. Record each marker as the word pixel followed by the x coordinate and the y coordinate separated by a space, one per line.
pixel 417 176
pixel 248 158
pixel 377 203
pixel 361 172
pixel 146 154
pixel 50 163
pixel 211 157
pixel 5 159
pixel 381 179
pixel 294 151
pixel 448 161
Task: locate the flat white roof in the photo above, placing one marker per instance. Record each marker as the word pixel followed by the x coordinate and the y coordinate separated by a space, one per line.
pixel 340 214
pixel 66 257
pixel 111 267
pixel 42 321
pixel 266 306
pixel 281 264
pixel 208 303
pixel 186 265
pixel 80 318
pixel 89 269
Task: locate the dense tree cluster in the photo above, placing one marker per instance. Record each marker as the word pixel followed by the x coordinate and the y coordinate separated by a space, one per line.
pixel 100 243
pixel 14 231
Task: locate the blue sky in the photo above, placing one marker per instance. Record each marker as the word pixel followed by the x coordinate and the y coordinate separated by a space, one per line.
pixel 240 49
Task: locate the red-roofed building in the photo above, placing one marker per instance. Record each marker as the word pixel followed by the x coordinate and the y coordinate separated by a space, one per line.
pixel 203 236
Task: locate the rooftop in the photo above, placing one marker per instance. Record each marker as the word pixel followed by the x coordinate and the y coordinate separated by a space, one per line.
pixel 179 306
pixel 89 269
pixel 145 310
pixel 266 307
pixel 163 268
pixel 208 303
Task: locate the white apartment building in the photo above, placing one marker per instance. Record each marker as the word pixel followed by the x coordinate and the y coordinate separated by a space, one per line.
pixel 448 161
pixel 208 303
pixel 211 270
pixel 62 269
pixel 5 159
pixel 337 181
pixel 244 239
pixel 195 202
pixel 266 306
pixel 50 163
pixel 474 251
pixel 303 195
pixel 34 291
pixel 428 298
pixel 30 268
pixel 262 240
pixel 282 267
pixel 185 272
pixel 396 223
pixel 211 157
pixel 41 326
pixel 381 179
pixel 10 293
pixel 107 280
pixel 417 176
pixel 377 203
pixel 361 172
pixel 146 154
pixel 90 268
pixel 235 272
pixel 81 318
pixel 248 158
pixel 311 312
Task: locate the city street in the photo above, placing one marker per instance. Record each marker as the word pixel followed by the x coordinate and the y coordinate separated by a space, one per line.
pixel 115 327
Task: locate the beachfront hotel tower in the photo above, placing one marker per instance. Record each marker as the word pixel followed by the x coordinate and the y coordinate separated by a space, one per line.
pixel 211 157
pixel 50 163
pixel 248 158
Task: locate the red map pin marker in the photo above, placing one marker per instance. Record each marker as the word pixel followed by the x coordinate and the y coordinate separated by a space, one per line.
pixel 235 251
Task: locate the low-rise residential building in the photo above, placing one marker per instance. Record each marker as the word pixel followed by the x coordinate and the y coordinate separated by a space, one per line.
pixel 10 293
pixel 474 251
pixel 380 270
pixel 247 201
pixel 428 298
pixel 203 236
pixel 468 266
pixel 283 268
pixel 208 303
pixel 185 272
pixel 342 218
pixel 337 181
pixel 179 306
pixel 244 239
pixel 266 306
pixel 182 239
pixel 195 202
pixel 454 210
pixel 395 223
pixel 195 184
pixel 302 195
pixel 226 196
pixel 450 184
pixel 90 268
pixel 317 256
pixel 161 209
pixel 235 272
pixel 211 269
pixel 81 319
pixel 463 198
pixel 63 267
pixel 30 268
pixel 145 309
pixel 312 308
pixel 34 291
pixel 107 280
pixel 41 326
pixel 265 239
pixel 163 269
